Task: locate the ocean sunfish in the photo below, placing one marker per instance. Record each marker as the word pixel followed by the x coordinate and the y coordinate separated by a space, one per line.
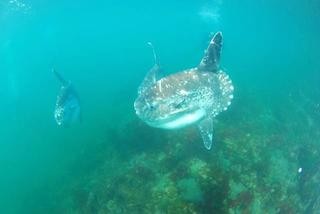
pixel 67 110
pixel 191 96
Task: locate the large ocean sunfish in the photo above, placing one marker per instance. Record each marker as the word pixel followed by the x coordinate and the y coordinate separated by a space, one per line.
pixel 67 110
pixel 191 96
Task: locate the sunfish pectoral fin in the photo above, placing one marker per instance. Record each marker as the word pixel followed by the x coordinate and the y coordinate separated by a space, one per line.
pixel 206 131
pixel 211 58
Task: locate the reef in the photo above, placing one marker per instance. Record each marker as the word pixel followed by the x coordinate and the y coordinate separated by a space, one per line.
pixel 266 163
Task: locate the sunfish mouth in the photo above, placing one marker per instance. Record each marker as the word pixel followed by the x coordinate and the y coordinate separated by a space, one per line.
pixel 178 120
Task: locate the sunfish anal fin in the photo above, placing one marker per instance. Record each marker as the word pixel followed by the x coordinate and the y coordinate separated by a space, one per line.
pixel 211 58
pixel 206 131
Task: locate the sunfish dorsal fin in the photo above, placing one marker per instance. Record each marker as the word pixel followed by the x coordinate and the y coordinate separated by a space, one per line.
pixel 211 59
pixel 206 131
pixel 60 78
pixel 155 70
pixel 152 75
pixel 156 62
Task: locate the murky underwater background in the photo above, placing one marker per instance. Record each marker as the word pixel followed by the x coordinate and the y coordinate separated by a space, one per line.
pixel 266 153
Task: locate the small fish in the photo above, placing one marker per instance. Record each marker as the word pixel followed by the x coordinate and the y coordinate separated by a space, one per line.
pixel 191 96
pixel 67 110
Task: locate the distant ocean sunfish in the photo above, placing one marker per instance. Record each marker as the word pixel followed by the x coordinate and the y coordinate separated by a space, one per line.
pixel 191 96
pixel 67 110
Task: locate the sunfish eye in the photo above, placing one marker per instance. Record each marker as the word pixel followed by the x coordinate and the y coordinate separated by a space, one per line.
pixel 151 106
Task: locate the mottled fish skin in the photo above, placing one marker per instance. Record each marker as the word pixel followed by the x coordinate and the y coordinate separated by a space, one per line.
pixel 192 96
pixel 67 109
pixel 188 90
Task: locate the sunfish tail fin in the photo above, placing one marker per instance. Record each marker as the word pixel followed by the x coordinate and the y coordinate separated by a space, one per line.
pixel 59 77
pixel 211 59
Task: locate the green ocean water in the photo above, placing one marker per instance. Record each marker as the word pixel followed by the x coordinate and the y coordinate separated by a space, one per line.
pixel 266 152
